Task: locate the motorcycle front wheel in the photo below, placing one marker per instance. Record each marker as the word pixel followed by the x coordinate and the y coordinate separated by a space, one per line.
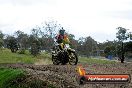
pixel 73 59
pixel 55 60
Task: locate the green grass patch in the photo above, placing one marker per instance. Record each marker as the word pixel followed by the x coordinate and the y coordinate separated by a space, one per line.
pixel 8 75
pixel 6 56
pixel 15 78
pixel 95 61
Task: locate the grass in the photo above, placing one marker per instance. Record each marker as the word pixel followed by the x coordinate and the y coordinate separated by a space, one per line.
pixel 44 58
pixel 95 61
pixel 82 59
pixel 7 75
pixel 9 79
pixel 6 56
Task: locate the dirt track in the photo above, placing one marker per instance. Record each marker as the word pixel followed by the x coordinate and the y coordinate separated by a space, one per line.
pixel 66 76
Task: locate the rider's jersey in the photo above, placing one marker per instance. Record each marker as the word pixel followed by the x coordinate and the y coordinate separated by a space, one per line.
pixel 62 39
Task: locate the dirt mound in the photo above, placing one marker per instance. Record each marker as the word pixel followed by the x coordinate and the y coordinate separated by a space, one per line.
pixel 66 76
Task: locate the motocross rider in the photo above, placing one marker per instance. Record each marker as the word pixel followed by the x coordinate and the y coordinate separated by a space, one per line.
pixel 62 38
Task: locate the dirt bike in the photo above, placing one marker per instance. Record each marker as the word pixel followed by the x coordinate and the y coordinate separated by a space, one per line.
pixel 64 56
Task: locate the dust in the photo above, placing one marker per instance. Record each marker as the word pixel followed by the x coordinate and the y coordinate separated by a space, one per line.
pixel 43 62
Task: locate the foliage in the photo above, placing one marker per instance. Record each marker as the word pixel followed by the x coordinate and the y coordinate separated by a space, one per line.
pixel 1 35
pixel 35 46
pixel 1 42
pixel 110 50
pixel 34 49
pixel 87 46
pixel 8 75
pixel 12 43
pixel 130 35
pixel 21 51
pixel 95 61
pixel 11 78
pixel 128 46
pixel 22 39
pixel 122 35
pixel 1 39
pixel 107 50
pixel 7 57
pixel 128 50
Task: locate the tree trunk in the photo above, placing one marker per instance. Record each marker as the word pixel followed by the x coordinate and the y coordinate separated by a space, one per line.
pixel 122 53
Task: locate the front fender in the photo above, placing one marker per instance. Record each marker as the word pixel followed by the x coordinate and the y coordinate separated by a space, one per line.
pixel 71 50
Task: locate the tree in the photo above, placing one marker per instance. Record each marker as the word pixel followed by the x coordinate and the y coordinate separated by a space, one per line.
pixel 48 32
pixel 12 44
pixel 130 35
pixel 18 34
pixel 23 41
pixel 87 46
pixel 1 35
pixel 128 49
pixel 1 39
pixel 128 46
pixel 35 45
pixel 122 35
pixel 36 32
pixel 109 50
pixel 52 28
pixel 1 43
